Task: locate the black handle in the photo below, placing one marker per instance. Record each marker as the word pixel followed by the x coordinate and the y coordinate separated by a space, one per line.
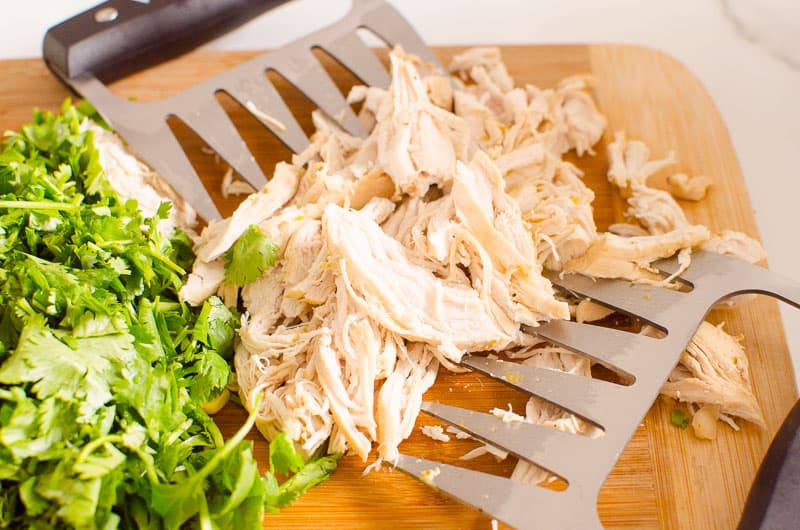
pixel 121 36
pixel 774 499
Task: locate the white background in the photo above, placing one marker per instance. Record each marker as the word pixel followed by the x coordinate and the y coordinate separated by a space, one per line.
pixel 746 52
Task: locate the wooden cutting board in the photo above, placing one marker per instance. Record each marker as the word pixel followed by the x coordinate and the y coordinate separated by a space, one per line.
pixel 666 478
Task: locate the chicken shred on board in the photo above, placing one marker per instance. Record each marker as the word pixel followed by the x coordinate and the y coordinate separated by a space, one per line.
pixel 426 240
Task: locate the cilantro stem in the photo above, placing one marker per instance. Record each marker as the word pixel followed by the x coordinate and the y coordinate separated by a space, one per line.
pixel 39 205
pixel 231 444
pixel 166 261
pixel 205 517
pixel 89 448
pixel 165 305
pixel 150 469
pixel 114 243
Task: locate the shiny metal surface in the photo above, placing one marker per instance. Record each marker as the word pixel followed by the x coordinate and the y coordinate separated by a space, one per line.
pixel 516 504
pixel 143 124
pixel 582 396
pixel 618 409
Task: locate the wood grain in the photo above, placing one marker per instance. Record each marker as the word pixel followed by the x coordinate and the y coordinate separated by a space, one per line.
pixel 665 478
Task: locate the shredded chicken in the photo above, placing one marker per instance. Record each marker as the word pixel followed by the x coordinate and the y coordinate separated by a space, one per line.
pixel 507 415
pixel 736 244
pixel 588 311
pixel 714 370
pixel 219 236
pixel 683 186
pixel 428 476
pixel 427 239
pixel 435 432
pixel 459 434
pixel 485 449
pixel 230 186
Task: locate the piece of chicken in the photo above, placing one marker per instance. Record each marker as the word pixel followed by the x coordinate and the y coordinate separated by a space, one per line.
pixel 612 256
pixel 418 142
pixel 219 236
pixel 495 221
pixel 415 304
pixel 714 370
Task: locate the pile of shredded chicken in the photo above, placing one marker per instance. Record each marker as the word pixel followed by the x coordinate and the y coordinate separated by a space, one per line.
pixel 426 239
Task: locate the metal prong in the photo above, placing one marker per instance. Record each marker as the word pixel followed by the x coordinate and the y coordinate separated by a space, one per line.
pixel 592 399
pixel 386 22
pixel 357 57
pixel 299 66
pixel 163 152
pixel 519 505
pixel 718 276
pixel 647 302
pixel 614 348
pixel 259 98
pixel 703 262
pixel 562 453
pixel 205 116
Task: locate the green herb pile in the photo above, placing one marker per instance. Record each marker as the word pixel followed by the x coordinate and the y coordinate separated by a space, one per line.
pixel 103 371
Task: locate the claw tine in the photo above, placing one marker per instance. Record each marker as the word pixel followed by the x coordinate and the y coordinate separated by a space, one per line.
pixel 592 399
pixel 204 115
pixel 390 25
pixel 519 505
pixel 301 68
pixel 564 454
pixel 614 348
pixel 357 57
pixel 650 303
pixel 255 93
pixel 167 157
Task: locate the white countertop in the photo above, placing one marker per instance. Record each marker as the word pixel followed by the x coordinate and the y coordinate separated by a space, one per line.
pixel 746 52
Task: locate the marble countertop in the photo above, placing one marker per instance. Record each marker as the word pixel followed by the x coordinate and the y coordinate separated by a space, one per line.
pixel 746 53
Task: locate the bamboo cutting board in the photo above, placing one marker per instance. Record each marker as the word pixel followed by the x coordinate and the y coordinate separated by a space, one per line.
pixel 666 478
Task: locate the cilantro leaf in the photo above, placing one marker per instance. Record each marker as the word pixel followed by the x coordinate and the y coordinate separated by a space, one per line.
pixel 222 324
pixel 216 326
pixel 213 374
pixel 252 254
pixel 678 419
pixel 283 457
pixel 310 475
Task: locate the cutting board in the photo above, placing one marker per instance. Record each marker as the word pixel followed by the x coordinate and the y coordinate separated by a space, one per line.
pixel 666 478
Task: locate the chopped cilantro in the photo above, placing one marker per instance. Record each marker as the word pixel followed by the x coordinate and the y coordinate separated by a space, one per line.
pixel 252 254
pixel 284 459
pixel 103 370
pixel 679 419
